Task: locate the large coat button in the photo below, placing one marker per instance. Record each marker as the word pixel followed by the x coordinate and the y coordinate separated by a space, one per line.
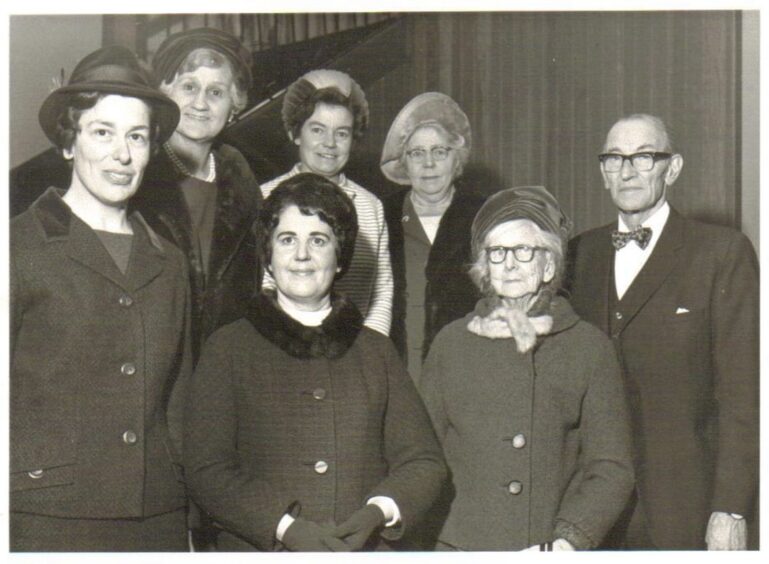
pixel 319 394
pixel 321 467
pixel 129 437
pixel 126 300
pixel 519 441
pixel 515 487
pixel 618 315
pixel 35 474
pixel 128 369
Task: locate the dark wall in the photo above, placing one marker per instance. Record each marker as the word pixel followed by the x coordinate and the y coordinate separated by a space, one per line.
pixel 542 89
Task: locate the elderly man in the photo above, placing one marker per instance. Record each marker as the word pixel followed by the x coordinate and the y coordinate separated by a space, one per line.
pixel 679 298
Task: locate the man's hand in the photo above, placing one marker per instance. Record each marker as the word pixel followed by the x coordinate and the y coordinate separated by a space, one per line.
pixel 360 526
pixel 307 536
pixel 726 532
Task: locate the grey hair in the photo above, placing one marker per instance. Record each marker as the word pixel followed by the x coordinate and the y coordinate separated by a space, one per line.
pixel 455 141
pixel 205 57
pixel 479 271
pixel 655 122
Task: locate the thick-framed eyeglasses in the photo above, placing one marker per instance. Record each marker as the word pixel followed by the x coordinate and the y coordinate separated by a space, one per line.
pixel 642 162
pixel 522 253
pixel 438 153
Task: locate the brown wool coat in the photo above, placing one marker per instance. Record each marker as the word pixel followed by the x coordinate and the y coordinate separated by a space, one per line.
pixel 77 324
pixel 270 398
pixel 553 420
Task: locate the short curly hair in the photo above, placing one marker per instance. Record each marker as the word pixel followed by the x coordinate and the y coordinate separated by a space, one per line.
pixel 75 105
pixel 304 98
pixel 313 195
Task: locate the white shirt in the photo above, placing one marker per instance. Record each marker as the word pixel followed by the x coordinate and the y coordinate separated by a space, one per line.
pixel 631 258
pixel 369 281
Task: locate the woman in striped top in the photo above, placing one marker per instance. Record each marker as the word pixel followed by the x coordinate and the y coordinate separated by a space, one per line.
pixel 323 112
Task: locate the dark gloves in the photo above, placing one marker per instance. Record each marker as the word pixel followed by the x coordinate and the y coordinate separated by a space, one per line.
pixel 359 526
pixel 307 536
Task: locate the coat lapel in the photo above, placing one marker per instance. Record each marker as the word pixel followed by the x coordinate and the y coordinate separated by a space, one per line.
pixel 654 272
pixel 147 255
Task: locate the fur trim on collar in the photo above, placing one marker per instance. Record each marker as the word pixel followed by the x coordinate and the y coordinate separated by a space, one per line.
pixel 332 339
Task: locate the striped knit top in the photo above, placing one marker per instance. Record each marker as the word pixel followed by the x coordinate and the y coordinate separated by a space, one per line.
pixel 369 280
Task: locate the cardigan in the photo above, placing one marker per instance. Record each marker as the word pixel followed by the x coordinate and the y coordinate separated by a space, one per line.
pixel 537 443
pixel 283 418
pixel 369 280
pixel 99 361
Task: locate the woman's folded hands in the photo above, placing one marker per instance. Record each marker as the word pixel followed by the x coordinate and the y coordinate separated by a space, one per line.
pixel 308 536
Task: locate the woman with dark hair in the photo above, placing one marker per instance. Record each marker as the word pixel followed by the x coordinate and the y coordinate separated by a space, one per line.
pixel 303 431
pixel 323 113
pixel 527 399
pixel 429 222
pixel 99 347
pixel 199 193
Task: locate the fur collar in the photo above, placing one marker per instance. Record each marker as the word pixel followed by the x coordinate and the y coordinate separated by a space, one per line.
pixel 331 340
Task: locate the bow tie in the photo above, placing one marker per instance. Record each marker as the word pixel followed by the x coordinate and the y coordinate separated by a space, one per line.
pixel 641 236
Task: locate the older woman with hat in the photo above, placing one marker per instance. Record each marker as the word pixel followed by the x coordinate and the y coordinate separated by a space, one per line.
pixel 526 398
pixel 429 223
pixel 303 431
pixel 199 193
pixel 324 111
pixel 99 349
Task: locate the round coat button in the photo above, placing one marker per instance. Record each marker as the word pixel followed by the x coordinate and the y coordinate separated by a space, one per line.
pixel 126 301
pixel 515 487
pixel 519 441
pixel 319 393
pixel 35 474
pixel 618 314
pixel 321 467
pixel 128 369
pixel 129 438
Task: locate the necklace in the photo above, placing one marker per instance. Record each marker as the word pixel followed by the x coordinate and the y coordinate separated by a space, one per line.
pixel 183 169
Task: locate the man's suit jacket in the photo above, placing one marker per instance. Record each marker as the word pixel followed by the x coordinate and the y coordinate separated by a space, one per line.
pixel 686 332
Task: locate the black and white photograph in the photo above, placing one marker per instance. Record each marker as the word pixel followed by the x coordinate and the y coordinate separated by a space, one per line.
pixel 409 280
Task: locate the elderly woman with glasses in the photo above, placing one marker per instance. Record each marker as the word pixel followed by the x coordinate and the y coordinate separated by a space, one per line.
pixel 200 193
pixel 303 431
pixel 527 399
pixel 429 222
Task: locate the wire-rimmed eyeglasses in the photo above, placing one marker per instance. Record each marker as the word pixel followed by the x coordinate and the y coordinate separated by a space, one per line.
pixel 642 162
pixel 522 253
pixel 438 153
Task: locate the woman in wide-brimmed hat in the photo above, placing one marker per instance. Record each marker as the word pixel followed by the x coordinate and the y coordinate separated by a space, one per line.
pixel 527 399
pixel 198 192
pixel 324 112
pixel 99 354
pixel 426 149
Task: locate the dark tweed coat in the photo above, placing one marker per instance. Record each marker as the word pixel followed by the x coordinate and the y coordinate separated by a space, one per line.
pixel 234 273
pixel 450 293
pixel 687 337
pixel 538 444
pixel 94 353
pixel 271 398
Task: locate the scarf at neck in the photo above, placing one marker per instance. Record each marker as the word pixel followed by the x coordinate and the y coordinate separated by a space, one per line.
pixel 495 319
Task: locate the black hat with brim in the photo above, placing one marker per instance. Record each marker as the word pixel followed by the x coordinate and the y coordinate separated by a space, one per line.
pixel 110 70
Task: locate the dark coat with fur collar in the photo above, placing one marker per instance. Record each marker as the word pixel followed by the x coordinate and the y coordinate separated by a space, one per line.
pixel 450 293
pixel 234 274
pixel 271 398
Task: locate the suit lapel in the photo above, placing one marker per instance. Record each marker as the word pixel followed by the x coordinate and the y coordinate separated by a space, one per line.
pixel 654 272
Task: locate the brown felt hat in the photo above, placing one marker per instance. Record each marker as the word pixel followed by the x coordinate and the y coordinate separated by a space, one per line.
pixel 110 70
pixel 175 48
pixel 534 203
